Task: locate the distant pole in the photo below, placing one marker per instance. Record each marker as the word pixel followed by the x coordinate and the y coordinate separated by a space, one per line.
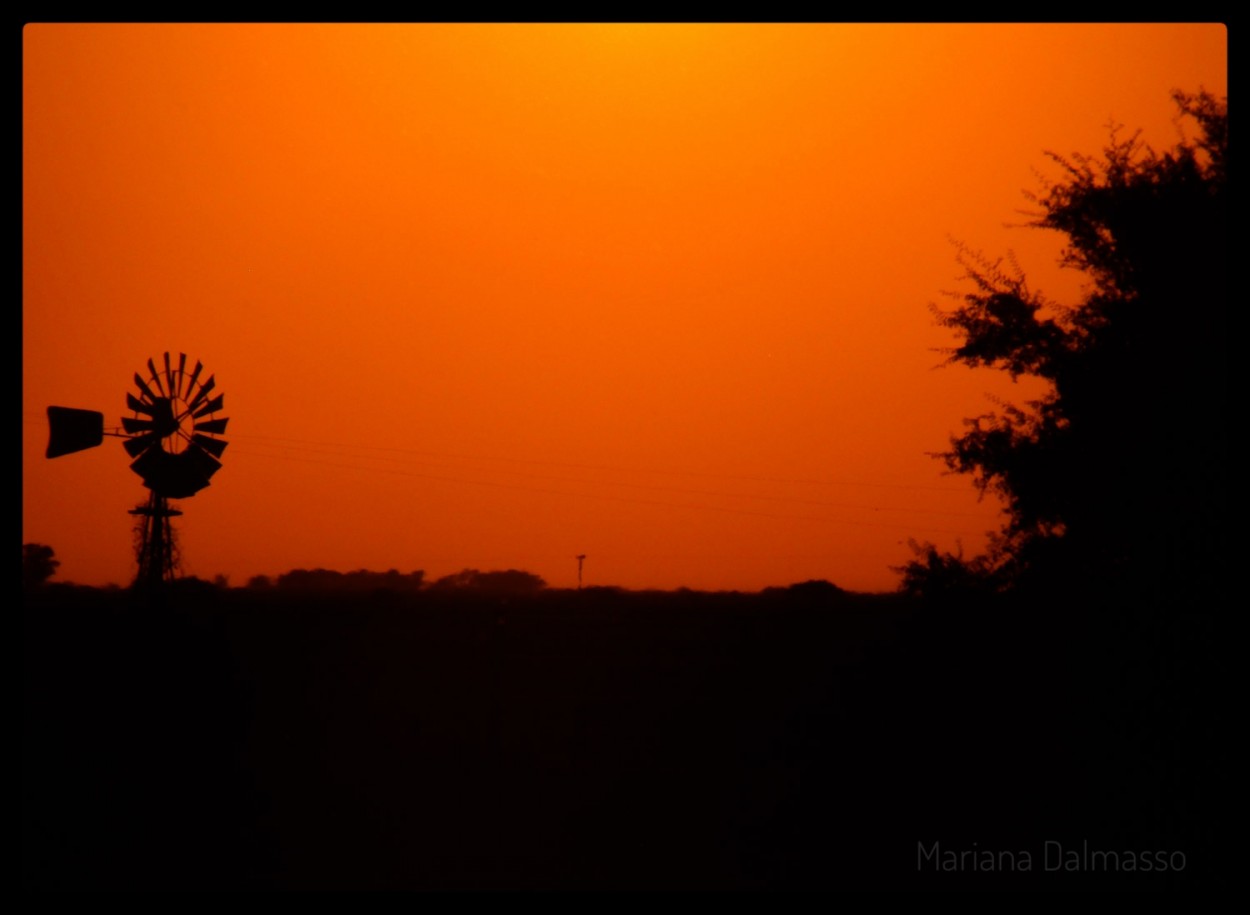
pixel 580 558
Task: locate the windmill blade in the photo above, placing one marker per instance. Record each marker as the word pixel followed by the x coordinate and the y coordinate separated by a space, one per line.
pixel 211 407
pixel 134 426
pixel 169 378
pixel 175 476
pixel 197 467
pixel 139 444
pixel 215 446
pixel 204 464
pixel 138 405
pixel 156 379
pixel 143 387
pixel 182 371
pixel 195 374
pixel 216 426
pixel 203 392
pixel 149 464
pixel 71 430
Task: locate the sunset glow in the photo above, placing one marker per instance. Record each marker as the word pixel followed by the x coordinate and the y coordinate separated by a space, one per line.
pixel 494 296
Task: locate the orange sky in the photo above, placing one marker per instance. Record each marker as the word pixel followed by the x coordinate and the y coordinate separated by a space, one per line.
pixel 493 296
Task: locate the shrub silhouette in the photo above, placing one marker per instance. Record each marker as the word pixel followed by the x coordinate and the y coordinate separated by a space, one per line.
pixel 38 564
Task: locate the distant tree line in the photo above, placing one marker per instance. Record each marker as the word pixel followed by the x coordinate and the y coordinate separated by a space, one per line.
pixel 361 580
pixel 509 581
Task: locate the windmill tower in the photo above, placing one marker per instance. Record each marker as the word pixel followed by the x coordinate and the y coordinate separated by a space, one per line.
pixel 581 557
pixel 172 436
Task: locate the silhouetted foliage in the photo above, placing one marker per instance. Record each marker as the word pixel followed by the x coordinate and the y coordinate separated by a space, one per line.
pixel 943 575
pixel 510 581
pixel 816 588
pixel 360 581
pixel 38 564
pixel 193 588
pixel 814 591
pixel 1118 469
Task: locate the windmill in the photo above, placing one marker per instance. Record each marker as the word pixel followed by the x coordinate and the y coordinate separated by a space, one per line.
pixel 581 557
pixel 172 437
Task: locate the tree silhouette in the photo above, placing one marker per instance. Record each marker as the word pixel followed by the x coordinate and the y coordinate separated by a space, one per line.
pixel 508 581
pixel 38 564
pixel 1117 472
pixel 361 581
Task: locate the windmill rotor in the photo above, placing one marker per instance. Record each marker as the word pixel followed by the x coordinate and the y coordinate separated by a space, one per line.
pixel 174 434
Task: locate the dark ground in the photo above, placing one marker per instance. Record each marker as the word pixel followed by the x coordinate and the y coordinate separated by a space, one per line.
pixel 614 740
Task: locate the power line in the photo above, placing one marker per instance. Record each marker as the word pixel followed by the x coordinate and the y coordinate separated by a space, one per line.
pixel 320 447
pixel 275 441
pixel 695 492
pixel 262 439
pixel 623 499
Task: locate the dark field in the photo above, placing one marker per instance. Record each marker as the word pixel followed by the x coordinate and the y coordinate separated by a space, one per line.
pixel 795 739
